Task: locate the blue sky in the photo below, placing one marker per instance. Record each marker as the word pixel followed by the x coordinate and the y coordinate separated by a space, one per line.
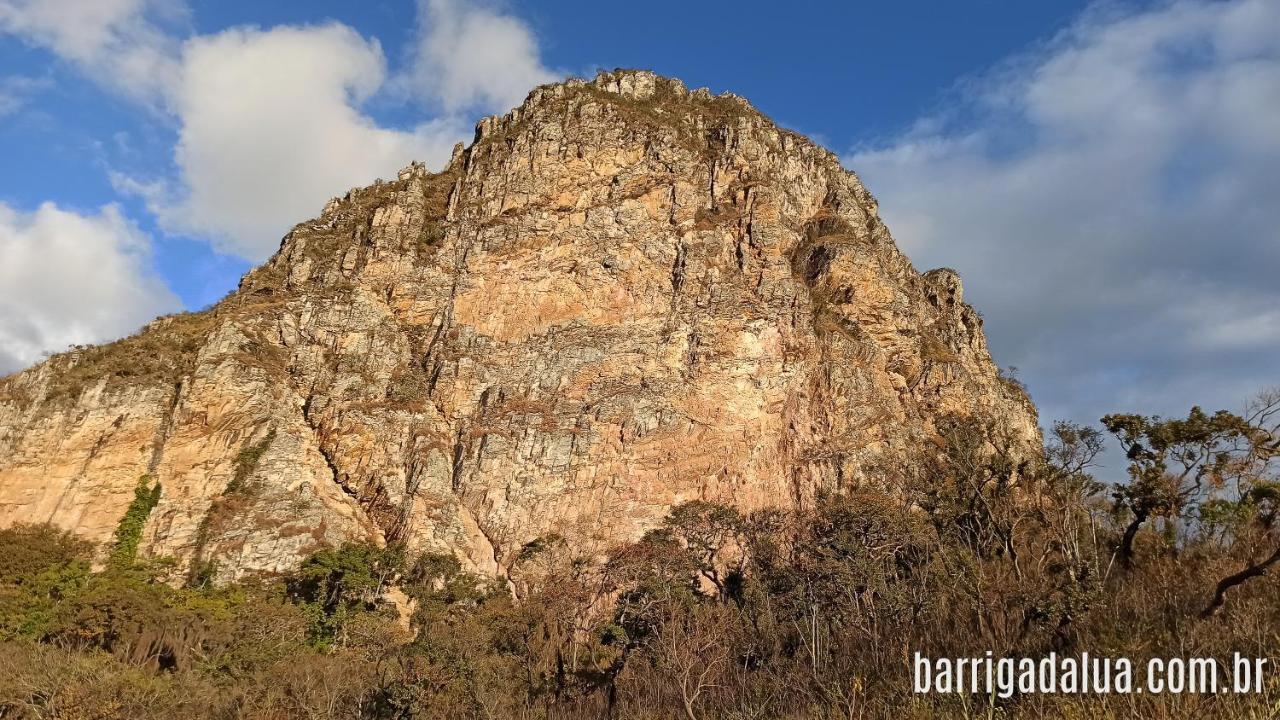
pixel 1101 174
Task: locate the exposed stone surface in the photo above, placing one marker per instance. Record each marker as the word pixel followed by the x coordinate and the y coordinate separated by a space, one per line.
pixel 621 296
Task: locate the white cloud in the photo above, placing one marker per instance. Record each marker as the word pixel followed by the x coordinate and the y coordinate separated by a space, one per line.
pixel 16 90
pixel 270 121
pixel 270 129
pixel 124 44
pixel 270 125
pixel 1110 202
pixel 69 278
pixel 10 101
pixel 470 55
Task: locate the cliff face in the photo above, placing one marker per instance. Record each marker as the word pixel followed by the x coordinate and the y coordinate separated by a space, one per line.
pixel 621 296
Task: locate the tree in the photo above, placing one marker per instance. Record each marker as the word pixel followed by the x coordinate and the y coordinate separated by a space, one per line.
pixel 1171 464
pixel 711 533
pixel 693 649
pixel 1062 539
pixel 336 583
pixel 40 567
pixel 1252 470
pixel 1061 495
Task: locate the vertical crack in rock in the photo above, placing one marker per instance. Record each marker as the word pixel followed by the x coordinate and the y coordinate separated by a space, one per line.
pixel 677 269
pixel 164 429
pixel 340 479
pixel 459 455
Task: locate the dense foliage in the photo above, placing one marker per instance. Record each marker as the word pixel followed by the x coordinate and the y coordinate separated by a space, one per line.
pixel 129 531
pixel 802 613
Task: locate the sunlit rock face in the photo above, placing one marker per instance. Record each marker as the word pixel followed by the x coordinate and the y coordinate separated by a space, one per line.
pixel 623 295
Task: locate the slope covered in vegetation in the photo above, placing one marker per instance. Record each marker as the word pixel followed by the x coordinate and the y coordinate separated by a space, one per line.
pixel 805 613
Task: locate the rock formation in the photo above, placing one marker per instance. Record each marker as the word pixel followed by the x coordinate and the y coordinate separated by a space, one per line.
pixel 621 296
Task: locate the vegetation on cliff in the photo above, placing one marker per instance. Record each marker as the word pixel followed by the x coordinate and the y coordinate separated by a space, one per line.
pixel 129 531
pixel 807 613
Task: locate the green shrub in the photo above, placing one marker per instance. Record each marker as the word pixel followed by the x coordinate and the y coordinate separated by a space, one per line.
pixel 129 532
pixel 336 584
pixel 40 566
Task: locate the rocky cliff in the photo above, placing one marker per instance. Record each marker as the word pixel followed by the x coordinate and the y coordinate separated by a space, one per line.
pixel 621 296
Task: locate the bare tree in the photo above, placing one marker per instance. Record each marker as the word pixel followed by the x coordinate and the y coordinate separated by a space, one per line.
pixel 694 650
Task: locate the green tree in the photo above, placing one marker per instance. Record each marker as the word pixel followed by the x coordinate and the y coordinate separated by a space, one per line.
pixel 336 584
pixel 712 534
pixel 41 566
pixel 1172 463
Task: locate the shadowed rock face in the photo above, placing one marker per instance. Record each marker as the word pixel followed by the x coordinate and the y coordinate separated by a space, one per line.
pixel 623 295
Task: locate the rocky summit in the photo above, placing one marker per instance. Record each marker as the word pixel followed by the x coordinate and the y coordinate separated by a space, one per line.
pixel 621 296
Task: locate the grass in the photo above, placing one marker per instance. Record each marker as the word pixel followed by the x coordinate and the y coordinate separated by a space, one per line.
pixel 160 354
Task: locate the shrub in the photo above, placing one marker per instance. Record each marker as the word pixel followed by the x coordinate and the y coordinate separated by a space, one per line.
pixel 333 585
pixel 806 612
pixel 129 532
pixel 40 566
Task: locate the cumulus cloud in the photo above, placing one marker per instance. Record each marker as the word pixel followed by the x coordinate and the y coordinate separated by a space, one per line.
pixel 269 121
pixel 1109 199
pixel 124 44
pixel 70 278
pixel 270 129
pixel 470 55
pixel 271 125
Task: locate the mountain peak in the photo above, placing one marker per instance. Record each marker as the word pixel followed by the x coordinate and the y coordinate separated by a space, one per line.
pixel 622 295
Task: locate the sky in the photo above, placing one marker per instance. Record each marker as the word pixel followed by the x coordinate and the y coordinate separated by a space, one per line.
pixel 1102 175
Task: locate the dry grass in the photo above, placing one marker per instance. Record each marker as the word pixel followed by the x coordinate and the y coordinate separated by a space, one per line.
pixel 159 354
pixel 934 350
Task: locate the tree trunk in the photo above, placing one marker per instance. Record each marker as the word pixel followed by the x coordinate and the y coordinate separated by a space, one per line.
pixel 1230 581
pixel 1126 542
